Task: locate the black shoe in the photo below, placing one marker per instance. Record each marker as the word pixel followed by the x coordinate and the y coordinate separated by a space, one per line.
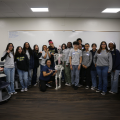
pixel 75 87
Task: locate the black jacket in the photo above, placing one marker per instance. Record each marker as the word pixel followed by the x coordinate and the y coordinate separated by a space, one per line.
pixel 22 62
pixel 36 59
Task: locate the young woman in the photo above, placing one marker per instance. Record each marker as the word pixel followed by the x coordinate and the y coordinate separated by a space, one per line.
pixel 63 72
pixel 46 75
pixel 103 63
pixel 85 68
pixel 45 55
pixel 67 64
pixel 30 55
pixel 115 68
pixel 80 44
pixel 22 63
pixel 37 55
pixel 9 67
pixel 93 68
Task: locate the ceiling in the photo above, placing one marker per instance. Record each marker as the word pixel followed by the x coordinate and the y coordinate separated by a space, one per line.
pixel 59 8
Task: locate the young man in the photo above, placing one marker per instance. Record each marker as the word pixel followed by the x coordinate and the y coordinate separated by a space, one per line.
pixel 79 40
pixel 52 50
pixel 75 58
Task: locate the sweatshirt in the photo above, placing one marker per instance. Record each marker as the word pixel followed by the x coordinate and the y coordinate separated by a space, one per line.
pixel 22 62
pixel 115 59
pixel 93 68
pixel 103 59
pixel 9 61
pixel 87 58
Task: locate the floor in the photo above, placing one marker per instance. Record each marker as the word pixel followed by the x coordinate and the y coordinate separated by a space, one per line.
pixel 63 104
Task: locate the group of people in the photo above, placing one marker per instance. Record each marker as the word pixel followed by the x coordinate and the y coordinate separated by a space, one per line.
pixel 79 62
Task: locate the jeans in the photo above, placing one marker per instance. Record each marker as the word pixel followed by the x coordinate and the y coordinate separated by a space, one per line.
pixel 102 72
pixel 85 72
pixel 63 72
pixel 114 81
pixel 34 76
pixel 10 74
pixel 23 77
pixel 75 75
pixel 29 76
pixel 94 78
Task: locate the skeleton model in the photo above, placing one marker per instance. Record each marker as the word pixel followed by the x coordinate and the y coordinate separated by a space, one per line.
pixel 58 57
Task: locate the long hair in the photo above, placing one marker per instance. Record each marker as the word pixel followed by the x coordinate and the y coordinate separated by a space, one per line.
pixel 34 48
pixel 62 46
pixel 29 49
pixel 100 49
pixel 17 53
pixel 8 48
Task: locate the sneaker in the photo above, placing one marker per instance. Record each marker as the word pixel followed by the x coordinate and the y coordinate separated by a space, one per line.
pixel 26 90
pixel 112 92
pixel 87 87
pixel 35 84
pixel 80 85
pixel 103 93
pixel 66 83
pixel 22 90
pixel 75 87
pixel 98 90
pixel 10 93
pixel 48 85
pixel 15 93
pixel 69 84
pixel 93 88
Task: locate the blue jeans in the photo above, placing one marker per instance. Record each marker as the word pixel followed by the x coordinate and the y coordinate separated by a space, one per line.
pixel 10 74
pixel 29 76
pixel 63 72
pixel 114 81
pixel 23 77
pixel 93 77
pixel 34 76
pixel 75 75
pixel 102 72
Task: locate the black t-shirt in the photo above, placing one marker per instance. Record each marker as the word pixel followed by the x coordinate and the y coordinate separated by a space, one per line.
pixel 52 50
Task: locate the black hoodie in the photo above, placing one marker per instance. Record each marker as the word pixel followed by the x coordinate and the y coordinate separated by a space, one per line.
pixel 22 62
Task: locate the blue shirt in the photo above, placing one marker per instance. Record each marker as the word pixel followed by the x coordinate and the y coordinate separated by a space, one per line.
pixel 46 69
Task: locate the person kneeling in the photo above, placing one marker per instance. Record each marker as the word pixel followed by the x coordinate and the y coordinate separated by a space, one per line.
pixel 46 75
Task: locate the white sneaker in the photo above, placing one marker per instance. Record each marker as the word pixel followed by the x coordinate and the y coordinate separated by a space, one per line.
pixel 10 93
pixel 69 84
pixel 48 85
pixel 26 90
pixel 66 83
pixel 35 84
pixel 22 90
pixel 15 93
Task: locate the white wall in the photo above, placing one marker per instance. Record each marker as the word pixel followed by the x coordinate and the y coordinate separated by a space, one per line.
pixel 89 24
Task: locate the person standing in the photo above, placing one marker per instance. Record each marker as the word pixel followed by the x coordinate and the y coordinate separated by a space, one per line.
pixel 103 63
pixel 9 67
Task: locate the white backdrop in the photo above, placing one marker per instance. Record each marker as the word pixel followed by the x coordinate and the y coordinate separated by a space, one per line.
pixel 18 38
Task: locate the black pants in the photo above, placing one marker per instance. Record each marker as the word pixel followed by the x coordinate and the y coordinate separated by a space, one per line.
pixel 85 72
pixel 42 83
pixel 34 76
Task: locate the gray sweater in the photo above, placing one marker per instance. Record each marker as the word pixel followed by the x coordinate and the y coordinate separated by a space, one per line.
pixel 103 59
pixel 86 58
pixel 9 61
